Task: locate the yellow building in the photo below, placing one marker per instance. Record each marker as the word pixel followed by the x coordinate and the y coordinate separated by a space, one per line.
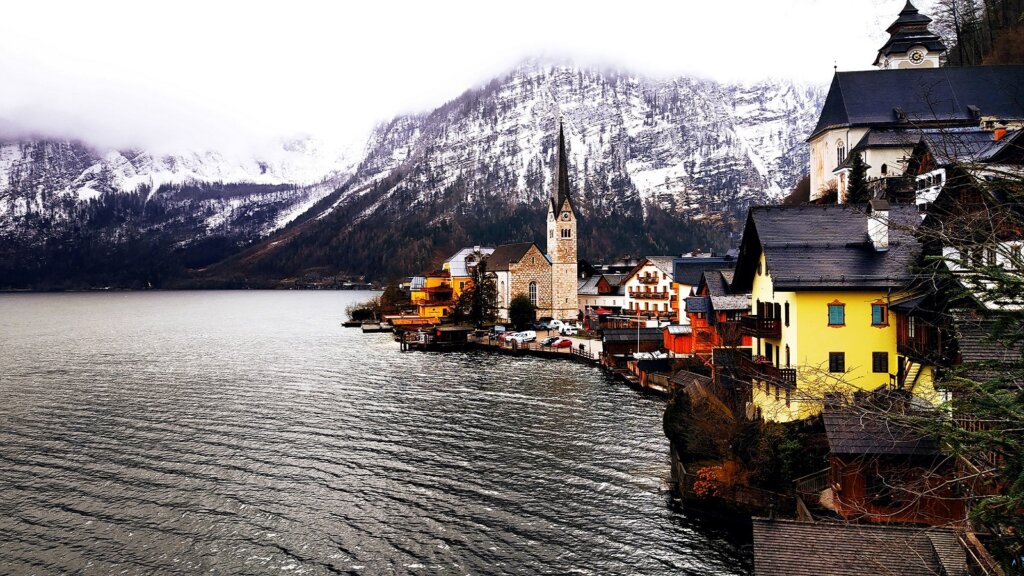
pixel 431 294
pixel 821 280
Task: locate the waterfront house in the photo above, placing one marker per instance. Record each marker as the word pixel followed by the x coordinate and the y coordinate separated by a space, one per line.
pixel 883 468
pixel 650 290
pixel 714 314
pixel 686 272
pixel 601 291
pixel 431 294
pixel 821 279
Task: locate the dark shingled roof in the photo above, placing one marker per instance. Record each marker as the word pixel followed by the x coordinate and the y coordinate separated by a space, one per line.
pixel 722 297
pixel 792 548
pixel 697 304
pixel 928 95
pixel 630 335
pixel 982 354
pixel 507 254
pixel 682 379
pixel 689 270
pixel 858 432
pixel 826 247
pixel 966 145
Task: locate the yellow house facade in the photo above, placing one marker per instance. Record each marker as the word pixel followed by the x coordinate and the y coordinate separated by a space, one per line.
pixel 431 294
pixel 821 286
pixel 830 341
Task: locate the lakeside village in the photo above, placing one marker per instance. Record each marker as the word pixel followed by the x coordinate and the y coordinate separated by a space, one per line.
pixel 849 376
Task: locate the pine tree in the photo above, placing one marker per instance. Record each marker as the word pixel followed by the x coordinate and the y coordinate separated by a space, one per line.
pixel 857 191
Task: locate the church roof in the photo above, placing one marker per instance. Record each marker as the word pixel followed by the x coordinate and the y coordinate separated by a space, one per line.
pixel 506 254
pixel 925 97
pixel 560 184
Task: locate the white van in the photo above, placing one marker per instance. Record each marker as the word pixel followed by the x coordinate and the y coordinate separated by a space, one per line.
pixel 522 337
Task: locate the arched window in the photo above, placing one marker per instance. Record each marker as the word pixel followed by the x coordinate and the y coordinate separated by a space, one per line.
pixel 533 293
pixel 840 152
pixel 885 169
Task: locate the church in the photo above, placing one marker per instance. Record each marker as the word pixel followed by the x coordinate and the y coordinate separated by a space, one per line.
pixel 548 279
pixel 882 114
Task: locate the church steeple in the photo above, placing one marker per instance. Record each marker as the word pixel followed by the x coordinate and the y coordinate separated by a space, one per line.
pixel 911 44
pixel 560 181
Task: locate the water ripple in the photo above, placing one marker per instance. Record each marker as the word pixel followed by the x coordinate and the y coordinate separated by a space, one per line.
pixel 241 432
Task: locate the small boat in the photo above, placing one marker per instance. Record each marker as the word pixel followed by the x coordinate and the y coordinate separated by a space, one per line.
pixel 370 327
pixel 352 324
pixel 384 326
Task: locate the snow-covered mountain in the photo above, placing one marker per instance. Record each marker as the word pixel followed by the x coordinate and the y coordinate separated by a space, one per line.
pixel 657 165
pixel 693 146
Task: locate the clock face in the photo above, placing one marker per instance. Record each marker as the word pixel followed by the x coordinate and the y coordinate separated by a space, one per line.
pixel 565 216
pixel 916 56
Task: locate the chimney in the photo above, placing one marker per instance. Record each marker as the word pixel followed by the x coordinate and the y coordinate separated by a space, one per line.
pixel 878 224
pixel 476 249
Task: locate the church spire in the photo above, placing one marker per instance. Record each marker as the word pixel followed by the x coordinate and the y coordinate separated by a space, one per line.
pixel 560 183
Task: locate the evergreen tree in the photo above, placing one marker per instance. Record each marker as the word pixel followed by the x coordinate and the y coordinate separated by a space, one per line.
pixel 478 303
pixel 521 312
pixel 857 191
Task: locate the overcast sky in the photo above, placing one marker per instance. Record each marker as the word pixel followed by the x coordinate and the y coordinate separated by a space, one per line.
pixel 202 74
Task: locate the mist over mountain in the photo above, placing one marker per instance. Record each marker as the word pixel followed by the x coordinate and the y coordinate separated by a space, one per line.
pixel 657 166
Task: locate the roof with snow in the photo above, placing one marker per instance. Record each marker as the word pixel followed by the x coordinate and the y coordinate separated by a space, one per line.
pixel 927 97
pixel 458 265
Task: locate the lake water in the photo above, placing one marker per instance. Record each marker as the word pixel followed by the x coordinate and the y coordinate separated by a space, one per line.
pixel 248 432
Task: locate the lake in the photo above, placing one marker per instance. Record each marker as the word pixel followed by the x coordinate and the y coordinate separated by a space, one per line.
pixel 248 432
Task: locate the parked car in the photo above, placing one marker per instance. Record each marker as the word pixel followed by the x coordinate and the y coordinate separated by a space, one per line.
pixel 542 326
pixel 556 325
pixel 563 343
pixel 549 341
pixel 523 337
pixel 568 330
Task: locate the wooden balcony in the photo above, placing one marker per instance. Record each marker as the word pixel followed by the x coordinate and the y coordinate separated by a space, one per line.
pixel 761 369
pixel 644 279
pixel 761 327
pixel 638 295
pixel 926 344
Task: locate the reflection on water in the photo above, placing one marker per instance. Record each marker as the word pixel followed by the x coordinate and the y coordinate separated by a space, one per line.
pixel 247 432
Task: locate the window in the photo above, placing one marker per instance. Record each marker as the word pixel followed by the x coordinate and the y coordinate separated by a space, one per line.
pixel 551 233
pixel 911 326
pixel 840 152
pixel 879 314
pixel 787 315
pixel 880 362
pixel 837 361
pixel 787 359
pixel 533 293
pixel 837 314
pixel 566 233
pixel 768 351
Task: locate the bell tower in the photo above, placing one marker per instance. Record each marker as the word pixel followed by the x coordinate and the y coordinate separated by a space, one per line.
pixel 911 44
pixel 562 239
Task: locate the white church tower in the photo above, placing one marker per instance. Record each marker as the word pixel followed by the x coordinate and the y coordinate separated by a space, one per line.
pixel 562 239
pixel 911 44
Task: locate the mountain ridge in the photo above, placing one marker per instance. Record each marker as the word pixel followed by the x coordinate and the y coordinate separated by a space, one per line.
pixel 662 165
